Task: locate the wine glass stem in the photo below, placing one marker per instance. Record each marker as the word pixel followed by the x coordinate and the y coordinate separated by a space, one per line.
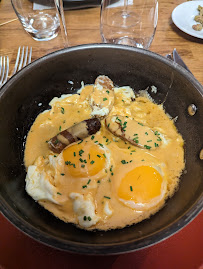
pixel 60 11
pixel 125 11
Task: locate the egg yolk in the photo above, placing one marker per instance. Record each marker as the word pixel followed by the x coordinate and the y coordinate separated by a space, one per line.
pixel 84 160
pixel 141 185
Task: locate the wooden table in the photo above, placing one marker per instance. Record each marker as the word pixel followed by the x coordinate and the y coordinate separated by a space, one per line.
pixel 184 249
pixel 83 28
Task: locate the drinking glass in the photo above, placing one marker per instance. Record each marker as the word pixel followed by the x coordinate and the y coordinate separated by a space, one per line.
pixel 129 22
pixel 39 18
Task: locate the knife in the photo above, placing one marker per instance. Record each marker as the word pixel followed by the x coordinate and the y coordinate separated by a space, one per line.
pixel 177 59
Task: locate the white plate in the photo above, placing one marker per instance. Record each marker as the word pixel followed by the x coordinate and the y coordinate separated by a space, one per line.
pixel 183 17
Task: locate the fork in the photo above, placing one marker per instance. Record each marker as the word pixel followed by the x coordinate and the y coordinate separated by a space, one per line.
pixel 4 69
pixel 23 60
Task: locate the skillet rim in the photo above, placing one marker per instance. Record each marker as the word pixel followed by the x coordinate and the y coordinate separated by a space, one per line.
pixel 102 249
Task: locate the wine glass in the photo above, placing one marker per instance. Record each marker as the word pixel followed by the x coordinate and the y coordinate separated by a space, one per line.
pixel 60 11
pixel 129 22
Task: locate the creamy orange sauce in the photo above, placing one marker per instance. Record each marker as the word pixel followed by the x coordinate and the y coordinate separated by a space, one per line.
pixel 108 179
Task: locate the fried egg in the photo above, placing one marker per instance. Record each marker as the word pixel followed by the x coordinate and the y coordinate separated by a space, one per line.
pixel 142 188
pixel 86 159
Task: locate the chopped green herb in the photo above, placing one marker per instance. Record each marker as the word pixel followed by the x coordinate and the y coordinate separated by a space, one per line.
pixel 98 181
pixel 107 197
pixel 89 156
pixel 84 186
pixel 92 162
pixel 62 110
pixel 111 168
pixel 104 155
pixel 149 141
pixel 107 91
pixel 136 141
pixel 109 180
pixel 112 174
pixel 133 150
pixel 126 116
pixel 131 188
pixel 74 154
pixel 85 161
pixel 159 139
pixel 92 137
pixel 82 165
pixel 81 152
pixel 56 142
pixel 47 141
pixel 80 142
pixel 69 163
pixel 89 218
pixel 104 99
pixel 59 128
pixel 85 218
pixel 156 145
pixel 64 121
pixel 143 160
pixel 107 140
pixel 78 111
pixel 156 133
pixel 108 125
pixel 89 181
pixel 123 162
pixel 105 170
pixel 147 147
pixel 62 174
pixel 123 101
pixel 59 193
pixel 81 160
pixel 129 147
pixel 146 133
pixel 140 124
pixel 95 142
pixel 55 156
pixel 99 156
pixel 124 126
pixel 131 161
pixel 101 145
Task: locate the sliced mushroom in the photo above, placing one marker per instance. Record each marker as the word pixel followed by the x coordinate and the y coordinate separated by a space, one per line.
pixel 133 131
pixel 102 97
pixel 76 132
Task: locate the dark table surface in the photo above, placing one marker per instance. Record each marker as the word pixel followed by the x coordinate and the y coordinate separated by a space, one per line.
pixel 184 250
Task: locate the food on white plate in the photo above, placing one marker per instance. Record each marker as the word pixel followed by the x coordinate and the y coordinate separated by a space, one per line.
pixel 199 18
pixel 118 176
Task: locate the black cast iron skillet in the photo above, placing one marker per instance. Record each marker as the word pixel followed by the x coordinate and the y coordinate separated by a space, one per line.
pixel 29 92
